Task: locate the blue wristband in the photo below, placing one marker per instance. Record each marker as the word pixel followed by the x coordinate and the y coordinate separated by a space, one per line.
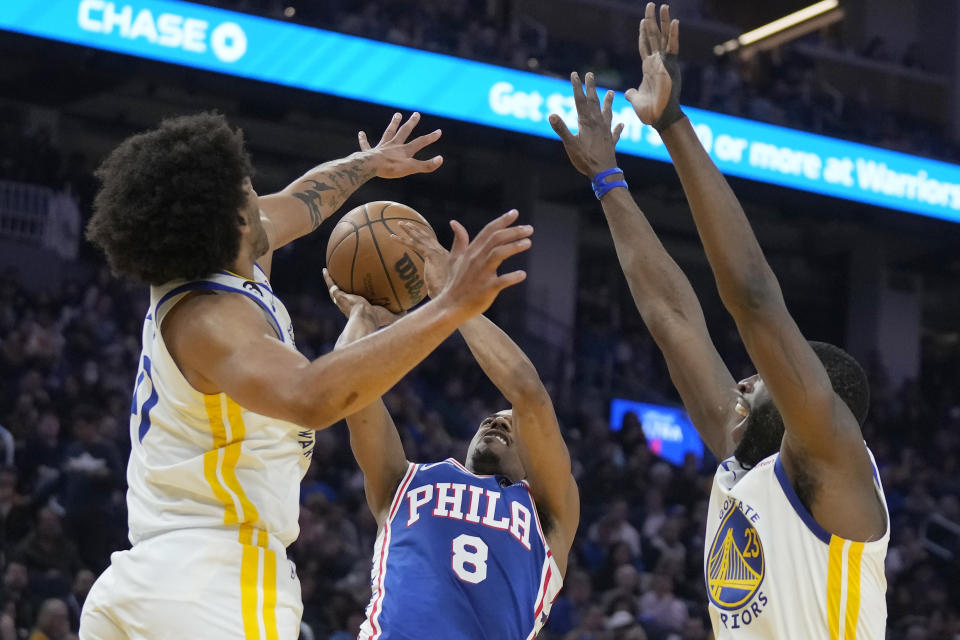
pixel 601 186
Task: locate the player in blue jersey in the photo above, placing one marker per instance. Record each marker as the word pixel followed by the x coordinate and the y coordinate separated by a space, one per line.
pixel 475 550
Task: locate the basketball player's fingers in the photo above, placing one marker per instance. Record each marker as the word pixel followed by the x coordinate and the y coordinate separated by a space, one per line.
pixel 510 279
pixel 407 127
pixel 617 130
pixel 336 294
pixel 652 30
pixel 423 237
pixel 364 143
pixel 664 23
pixel 560 128
pixel 504 251
pixel 510 234
pixel 423 166
pixel 460 238
pixel 391 129
pixel 330 284
pixel 591 88
pixel 420 142
pixel 673 41
pixel 643 42
pixel 410 238
pixel 500 222
pixel 607 109
pixel 578 97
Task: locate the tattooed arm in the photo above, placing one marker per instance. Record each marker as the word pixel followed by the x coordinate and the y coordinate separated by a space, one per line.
pixel 315 196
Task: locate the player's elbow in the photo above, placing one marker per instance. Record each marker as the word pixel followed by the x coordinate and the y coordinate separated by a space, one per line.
pixel 752 296
pixel 664 319
pixel 314 411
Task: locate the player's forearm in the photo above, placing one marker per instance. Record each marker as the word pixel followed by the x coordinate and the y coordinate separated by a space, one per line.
pixel 315 196
pixel 744 279
pixel 660 289
pixel 503 362
pixel 348 379
pixel 374 417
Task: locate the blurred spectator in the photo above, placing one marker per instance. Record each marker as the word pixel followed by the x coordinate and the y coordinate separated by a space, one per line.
pixel 46 550
pixel 92 471
pixel 53 623
pixel 661 607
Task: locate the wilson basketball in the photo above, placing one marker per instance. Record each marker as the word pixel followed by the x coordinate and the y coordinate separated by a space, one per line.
pixel 363 259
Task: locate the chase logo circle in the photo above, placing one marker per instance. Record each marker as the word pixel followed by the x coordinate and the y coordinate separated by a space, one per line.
pixel 735 564
pixel 228 42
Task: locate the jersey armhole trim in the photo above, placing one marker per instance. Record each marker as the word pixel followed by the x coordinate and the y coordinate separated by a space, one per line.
pixel 216 286
pixel 401 489
pixel 797 505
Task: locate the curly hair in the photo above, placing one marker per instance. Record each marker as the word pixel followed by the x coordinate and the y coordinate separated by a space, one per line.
pixel 847 377
pixel 169 199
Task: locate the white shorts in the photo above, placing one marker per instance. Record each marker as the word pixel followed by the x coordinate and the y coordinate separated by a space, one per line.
pixel 198 584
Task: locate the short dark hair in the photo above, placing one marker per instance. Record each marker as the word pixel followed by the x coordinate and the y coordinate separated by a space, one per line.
pixel 169 199
pixel 847 377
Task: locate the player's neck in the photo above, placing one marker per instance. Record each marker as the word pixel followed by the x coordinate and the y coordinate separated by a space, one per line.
pixel 243 265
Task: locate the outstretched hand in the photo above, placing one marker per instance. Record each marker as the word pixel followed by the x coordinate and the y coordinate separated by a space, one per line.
pixel 436 259
pixel 593 148
pixel 473 282
pixel 350 304
pixel 396 154
pixel 657 100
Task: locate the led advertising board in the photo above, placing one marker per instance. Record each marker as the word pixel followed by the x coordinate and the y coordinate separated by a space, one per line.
pixel 669 432
pixel 313 59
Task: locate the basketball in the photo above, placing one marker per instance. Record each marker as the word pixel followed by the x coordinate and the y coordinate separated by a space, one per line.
pixel 363 259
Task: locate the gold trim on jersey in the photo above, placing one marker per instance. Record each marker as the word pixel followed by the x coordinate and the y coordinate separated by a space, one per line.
pixel 843 587
pixel 258 599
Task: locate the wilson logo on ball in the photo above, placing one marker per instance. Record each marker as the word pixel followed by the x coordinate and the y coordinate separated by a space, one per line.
pixel 410 276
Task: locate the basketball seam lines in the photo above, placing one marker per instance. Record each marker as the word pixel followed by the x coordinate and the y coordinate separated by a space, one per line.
pixel 357 228
pixel 376 245
pixel 353 262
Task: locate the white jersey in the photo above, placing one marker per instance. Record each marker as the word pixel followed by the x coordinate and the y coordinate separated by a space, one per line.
pixel 202 461
pixel 773 572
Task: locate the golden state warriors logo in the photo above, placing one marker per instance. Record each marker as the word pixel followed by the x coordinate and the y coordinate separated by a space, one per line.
pixel 735 563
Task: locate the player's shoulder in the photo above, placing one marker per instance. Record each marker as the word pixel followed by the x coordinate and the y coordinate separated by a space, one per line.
pixel 207 319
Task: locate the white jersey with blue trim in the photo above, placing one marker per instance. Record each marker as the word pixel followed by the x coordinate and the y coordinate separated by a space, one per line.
pixel 202 461
pixel 773 572
pixel 460 557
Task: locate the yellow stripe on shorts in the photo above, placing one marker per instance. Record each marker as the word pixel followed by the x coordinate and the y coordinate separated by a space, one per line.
pixel 249 570
pixel 270 594
pixel 258 598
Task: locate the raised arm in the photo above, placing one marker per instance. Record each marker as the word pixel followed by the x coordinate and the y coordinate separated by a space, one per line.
pixel 661 291
pixel 373 435
pixel 822 437
pixel 222 343
pixel 315 196
pixel 506 365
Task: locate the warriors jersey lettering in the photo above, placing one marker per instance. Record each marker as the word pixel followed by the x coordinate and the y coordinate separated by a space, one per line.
pixel 460 557
pixel 202 461
pixel 773 572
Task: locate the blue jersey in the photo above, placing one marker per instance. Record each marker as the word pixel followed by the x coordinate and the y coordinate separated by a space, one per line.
pixel 460 557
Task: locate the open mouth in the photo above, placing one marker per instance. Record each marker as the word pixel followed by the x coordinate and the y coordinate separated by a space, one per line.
pixel 499 437
pixel 742 407
pixel 497 432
